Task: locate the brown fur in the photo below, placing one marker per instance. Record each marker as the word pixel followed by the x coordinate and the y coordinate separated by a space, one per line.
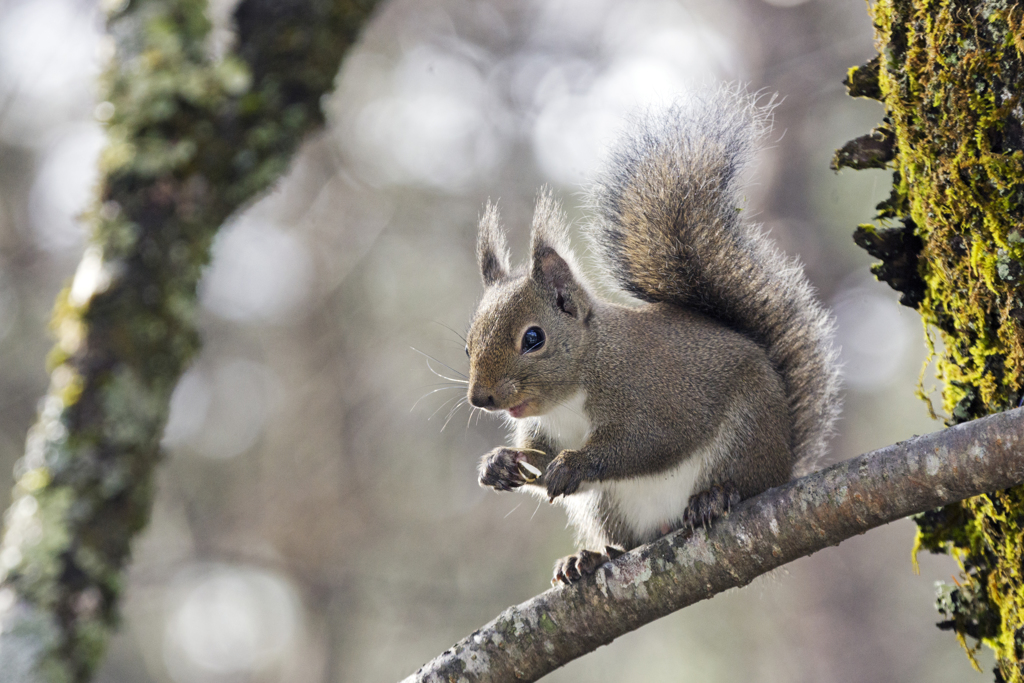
pixel 670 230
pixel 722 379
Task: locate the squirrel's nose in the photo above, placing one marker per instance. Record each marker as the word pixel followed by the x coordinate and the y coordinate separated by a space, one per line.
pixel 481 398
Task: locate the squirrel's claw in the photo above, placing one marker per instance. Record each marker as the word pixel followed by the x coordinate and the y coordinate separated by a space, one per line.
pixel 574 567
pixel 707 506
pixel 501 469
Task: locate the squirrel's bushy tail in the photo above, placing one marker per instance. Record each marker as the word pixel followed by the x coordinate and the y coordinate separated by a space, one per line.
pixel 670 230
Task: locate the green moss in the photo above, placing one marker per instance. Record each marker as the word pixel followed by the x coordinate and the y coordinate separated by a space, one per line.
pixel 952 82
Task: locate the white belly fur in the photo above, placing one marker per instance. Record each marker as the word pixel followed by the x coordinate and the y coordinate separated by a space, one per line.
pixel 650 505
pixel 647 504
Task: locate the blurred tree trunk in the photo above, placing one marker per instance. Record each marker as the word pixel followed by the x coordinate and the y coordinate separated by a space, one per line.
pixel 192 138
pixel 951 78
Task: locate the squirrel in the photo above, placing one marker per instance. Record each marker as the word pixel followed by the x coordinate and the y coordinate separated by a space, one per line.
pixel 719 383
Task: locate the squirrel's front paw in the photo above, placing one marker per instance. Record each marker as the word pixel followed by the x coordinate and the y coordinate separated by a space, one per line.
pixel 502 469
pixel 564 475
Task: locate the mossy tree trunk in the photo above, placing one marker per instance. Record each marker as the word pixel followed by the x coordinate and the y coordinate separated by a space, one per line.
pixel 191 139
pixel 951 78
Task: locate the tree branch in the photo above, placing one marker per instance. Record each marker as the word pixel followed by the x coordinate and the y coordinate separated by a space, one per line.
pixel 532 639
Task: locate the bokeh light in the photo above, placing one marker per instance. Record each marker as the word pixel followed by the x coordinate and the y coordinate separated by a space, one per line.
pixel 64 185
pixel 48 64
pixel 874 335
pixel 258 273
pixel 228 622
pixel 223 414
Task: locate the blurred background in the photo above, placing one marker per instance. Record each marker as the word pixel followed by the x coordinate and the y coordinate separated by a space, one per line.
pixel 317 516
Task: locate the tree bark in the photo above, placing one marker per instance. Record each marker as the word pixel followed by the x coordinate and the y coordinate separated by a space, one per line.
pixel 822 509
pixel 191 140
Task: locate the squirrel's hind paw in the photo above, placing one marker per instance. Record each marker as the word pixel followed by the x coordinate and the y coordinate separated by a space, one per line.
pixel 707 506
pixel 575 567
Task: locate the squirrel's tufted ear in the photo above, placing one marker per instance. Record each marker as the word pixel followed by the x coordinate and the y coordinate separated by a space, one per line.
pixel 551 261
pixel 491 250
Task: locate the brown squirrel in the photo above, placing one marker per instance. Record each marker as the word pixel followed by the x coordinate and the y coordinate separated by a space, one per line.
pixel 713 388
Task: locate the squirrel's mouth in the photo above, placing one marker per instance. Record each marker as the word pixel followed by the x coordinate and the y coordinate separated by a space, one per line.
pixel 519 410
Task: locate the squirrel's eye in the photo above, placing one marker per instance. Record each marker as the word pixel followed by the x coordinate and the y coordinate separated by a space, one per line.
pixel 467 350
pixel 533 339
